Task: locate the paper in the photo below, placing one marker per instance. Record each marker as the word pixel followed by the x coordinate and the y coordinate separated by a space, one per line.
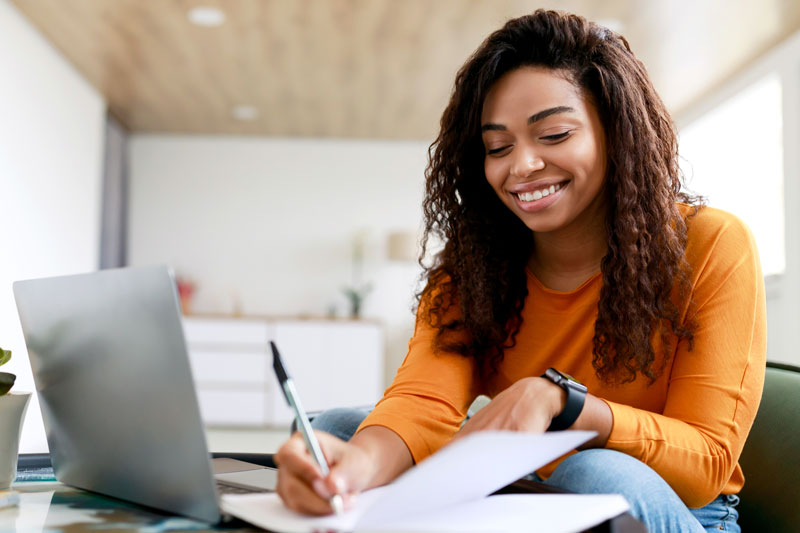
pixel 446 492
pixel 514 513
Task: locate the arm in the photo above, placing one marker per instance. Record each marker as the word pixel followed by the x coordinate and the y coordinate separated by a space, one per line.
pixel 530 404
pixel 715 388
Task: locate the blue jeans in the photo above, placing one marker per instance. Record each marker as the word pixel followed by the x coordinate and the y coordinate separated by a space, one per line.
pixel 652 500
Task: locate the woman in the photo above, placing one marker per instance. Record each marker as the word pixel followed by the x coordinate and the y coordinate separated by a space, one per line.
pixel 554 185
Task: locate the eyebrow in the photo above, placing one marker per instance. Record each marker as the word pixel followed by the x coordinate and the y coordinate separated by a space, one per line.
pixel 541 115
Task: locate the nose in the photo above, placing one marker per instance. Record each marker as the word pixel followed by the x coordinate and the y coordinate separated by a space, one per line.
pixel 527 161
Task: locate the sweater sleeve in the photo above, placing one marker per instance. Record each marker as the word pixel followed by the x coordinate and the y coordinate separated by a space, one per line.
pixel 429 396
pixel 714 389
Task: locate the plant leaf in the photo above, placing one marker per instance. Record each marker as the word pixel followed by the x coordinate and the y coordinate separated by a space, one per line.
pixel 6 382
pixel 5 356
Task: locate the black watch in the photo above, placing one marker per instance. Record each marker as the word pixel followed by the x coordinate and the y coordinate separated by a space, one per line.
pixel 576 397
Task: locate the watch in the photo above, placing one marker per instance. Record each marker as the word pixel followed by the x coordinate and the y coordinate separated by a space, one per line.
pixel 576 396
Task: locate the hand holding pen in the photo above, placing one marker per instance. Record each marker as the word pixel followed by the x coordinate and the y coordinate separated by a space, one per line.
pixel 303 425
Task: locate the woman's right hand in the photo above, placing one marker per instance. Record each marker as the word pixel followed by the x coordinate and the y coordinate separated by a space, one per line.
pixel 301 485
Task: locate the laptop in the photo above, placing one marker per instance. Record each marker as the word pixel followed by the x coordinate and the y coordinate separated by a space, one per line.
pixel 116 391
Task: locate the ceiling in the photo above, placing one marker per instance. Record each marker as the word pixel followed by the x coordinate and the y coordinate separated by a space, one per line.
pixel 362 68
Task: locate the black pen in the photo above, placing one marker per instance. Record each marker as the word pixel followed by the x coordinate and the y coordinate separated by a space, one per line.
pixel 302 422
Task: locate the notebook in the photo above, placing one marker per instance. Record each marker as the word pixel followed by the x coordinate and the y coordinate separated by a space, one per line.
pixel 450 491
pixel 115 387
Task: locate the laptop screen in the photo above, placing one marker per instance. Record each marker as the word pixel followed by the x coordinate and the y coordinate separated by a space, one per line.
pixel 115 387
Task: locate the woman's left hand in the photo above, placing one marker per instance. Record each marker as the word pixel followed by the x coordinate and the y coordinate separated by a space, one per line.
pixel 528 406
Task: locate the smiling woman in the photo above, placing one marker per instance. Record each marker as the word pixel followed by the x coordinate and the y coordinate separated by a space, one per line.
pixel 570 254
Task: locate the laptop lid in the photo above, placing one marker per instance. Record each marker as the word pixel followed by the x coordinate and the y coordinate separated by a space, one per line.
pixel 115 387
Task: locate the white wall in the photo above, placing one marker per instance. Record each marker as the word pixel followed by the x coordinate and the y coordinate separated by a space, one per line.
pixel 51 145
pixel 265 226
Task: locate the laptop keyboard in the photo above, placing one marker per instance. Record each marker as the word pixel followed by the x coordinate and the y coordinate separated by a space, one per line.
pixel 227 488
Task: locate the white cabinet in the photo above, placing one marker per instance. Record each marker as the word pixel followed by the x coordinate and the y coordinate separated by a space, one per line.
pixel 333 363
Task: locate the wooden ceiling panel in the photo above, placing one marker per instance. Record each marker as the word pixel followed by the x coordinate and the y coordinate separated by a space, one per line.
pixel 361 68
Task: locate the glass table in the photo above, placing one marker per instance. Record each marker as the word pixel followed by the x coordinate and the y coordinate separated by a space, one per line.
pixel 56 508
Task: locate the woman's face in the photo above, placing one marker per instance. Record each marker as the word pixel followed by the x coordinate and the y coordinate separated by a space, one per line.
pixel 545 149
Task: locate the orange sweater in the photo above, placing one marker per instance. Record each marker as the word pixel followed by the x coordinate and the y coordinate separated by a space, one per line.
pixel 689 426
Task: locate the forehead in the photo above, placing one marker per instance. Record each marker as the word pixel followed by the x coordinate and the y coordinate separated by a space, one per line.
pixel 527 90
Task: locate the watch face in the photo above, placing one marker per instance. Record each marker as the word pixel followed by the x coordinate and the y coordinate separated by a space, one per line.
pixel 561 378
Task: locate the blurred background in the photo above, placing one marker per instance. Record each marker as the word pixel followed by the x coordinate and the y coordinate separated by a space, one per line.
pixel 273 152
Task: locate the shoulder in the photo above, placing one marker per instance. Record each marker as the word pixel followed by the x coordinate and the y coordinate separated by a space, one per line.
pixel 718 244
pixel 438 302
pixel 714 230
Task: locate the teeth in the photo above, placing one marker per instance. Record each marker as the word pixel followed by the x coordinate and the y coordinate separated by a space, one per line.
pixel 538 195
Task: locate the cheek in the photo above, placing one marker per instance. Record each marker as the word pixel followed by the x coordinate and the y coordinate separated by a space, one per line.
pixel 495 173
pixel 587 161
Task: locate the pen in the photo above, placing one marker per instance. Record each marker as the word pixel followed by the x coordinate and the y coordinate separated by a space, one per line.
pixel 302 422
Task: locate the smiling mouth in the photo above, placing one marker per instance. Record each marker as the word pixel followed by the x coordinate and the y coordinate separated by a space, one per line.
pixel 538 194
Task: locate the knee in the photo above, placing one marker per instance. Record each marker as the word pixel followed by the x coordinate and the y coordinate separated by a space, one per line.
pixel 341 422
pixel 605 471
pixel 651 498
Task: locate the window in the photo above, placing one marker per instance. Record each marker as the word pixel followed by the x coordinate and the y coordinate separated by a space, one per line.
pixel 733 155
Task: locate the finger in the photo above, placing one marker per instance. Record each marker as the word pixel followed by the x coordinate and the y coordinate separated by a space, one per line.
pixel 332 446
pixel 350 473
pixel 293 457
pixel 300 497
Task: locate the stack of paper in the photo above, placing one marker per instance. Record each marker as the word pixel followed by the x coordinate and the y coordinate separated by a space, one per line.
pixel 448 492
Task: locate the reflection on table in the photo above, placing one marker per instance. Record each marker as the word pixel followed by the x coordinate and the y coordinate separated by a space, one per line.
pixel 56 508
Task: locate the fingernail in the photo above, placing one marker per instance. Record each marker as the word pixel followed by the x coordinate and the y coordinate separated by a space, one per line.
pixel 321 489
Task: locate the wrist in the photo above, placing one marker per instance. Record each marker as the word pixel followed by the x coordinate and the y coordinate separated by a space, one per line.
pixel 556 398
pixel 384 455
pixel 574 402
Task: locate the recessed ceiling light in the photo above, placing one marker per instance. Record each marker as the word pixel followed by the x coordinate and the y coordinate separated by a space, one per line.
pixel 206 16
pixel 245 112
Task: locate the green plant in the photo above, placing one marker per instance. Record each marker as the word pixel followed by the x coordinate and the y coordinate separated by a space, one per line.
pixel 6 379
pixel 356 298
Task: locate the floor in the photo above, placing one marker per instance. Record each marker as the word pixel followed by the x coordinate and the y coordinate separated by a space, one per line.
pixel 246 440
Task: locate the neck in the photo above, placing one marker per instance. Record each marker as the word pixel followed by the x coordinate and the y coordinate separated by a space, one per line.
pixel 562 260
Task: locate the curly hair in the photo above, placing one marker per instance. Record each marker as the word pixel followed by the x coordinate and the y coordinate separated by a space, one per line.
pixel 481 267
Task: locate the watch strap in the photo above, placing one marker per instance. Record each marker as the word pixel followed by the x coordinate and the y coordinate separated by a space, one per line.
pixel 576 397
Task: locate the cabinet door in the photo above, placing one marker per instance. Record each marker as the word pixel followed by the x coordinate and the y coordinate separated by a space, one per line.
pixel 233 407
pixel 334 364
pixel 230 366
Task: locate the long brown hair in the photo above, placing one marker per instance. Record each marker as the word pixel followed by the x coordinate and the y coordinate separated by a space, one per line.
pixel 486 247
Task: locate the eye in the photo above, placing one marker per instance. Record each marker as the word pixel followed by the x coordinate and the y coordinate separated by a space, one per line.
pixel 494 151
pixel 557 137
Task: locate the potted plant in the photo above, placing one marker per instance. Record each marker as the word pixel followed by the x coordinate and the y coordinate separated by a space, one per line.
pixel 12 412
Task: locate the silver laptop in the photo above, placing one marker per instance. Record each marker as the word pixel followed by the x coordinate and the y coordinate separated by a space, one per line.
pixel 116 391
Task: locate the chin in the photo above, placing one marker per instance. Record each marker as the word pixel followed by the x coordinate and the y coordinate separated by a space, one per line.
pixel 542 226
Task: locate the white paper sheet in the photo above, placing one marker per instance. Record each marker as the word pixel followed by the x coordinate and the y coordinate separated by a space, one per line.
pixel 469 469
pixel 516 513
pixel 439 489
